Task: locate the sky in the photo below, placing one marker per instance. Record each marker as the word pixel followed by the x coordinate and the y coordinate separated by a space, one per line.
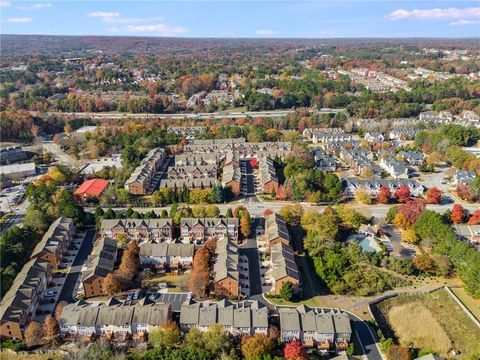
pixel 250 19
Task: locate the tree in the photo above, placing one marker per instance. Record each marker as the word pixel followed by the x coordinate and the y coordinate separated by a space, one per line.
pixel 402 194
pixel 168 335
pixel 294 350
pixel 433 196
pixel 229 213
pixel 200 196
pixel 217 195
pixel 267 212
pixel 458 214
pixel 122 241
pixel 363 197
pixel 423 262
pixel 409 236
pixel 51 330
pixel 59 309
pixel 34 334
pixel 212 211
pixel 37 220
pixel 246 225
pixel 396 352
pixel 255 346
pixel 286 291
pixel 291 213
pixel 475 218
pixel 384 195
pixel 111 284
pixel 392 212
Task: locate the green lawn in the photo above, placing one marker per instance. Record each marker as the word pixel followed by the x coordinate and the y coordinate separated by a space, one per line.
pixel 175 282
pixel 470 303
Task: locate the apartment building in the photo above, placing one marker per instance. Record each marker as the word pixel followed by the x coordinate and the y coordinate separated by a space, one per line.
pixel 55 241
pixel 246 317
pixel 164 255
pixel 20 303
pixel 140 181
pixel 141 230
pixel 200 230
pixel 283 267
pixel 226 274
pixel 328 329
pixel 113 318
pixel 98 265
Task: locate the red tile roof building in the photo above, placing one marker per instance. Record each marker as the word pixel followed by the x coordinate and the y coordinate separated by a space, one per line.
pixel 91 188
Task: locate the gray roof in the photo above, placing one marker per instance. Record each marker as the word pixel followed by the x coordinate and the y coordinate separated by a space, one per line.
pixel 102 259
pixel 164 250
pixel 109 224
pixel 226 260
pixel 56 233
pixel 283 262
pixel 342 322
pixel 322 321
pixel 275 226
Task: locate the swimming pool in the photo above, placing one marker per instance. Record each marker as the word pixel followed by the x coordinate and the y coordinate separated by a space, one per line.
pixel 368 244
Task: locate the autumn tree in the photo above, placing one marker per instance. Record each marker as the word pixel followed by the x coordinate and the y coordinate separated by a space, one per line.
pixel 291 213
pixel 458 214
pixel 409 213
pixel 402 194
pixel 246 225
pixel 433 196
pixel 362 196
pixel 59 309
pixel 168 335
pixel 396 352
pixel 384 195
pixel 256 346
pixel 423 262
pixel 111 284
pixel 475 218
pixel 267 212
pixel 200 277
pixel 294 350
pixel 409 236
pixel 34 334
pixel 51 330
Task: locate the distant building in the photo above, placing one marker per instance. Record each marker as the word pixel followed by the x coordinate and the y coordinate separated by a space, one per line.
pixel 372 187
pixel 140 181
pixel 17 172
pixel 92 188
pixel 11 154
pixel 463 177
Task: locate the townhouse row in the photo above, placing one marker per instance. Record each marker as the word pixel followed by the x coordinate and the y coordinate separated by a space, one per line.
pixel 191 229
pixel 141 181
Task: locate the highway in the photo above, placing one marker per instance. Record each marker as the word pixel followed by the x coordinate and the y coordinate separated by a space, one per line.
pixel 197 116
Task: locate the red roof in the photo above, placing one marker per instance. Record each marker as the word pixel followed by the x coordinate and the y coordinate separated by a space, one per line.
pixel 93 187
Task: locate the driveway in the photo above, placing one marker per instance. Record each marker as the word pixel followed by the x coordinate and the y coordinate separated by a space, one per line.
pixel 73 275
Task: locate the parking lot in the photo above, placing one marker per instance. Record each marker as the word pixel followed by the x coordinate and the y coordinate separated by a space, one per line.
pixel 11 197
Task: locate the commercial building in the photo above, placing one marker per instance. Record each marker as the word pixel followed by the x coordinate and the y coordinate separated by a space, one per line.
pixel 92 188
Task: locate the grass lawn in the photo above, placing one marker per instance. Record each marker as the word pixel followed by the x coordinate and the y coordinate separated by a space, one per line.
pixel 431 322
pixel 470 303
pixel 175 282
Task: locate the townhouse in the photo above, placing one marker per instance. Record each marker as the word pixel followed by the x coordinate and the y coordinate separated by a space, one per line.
pixel 189 183
pixel 327 329
pixel 283 268
pixel 416 158
pixel 394 168
pixel 192 172
pixel 140 230
pixel 309 133
pixel 374 137
pixel 468 233
pixel 463 177
pixel 246 317
pixel 360 161
pixel 373 186
pixel 324 162
pixel 232 177
pixel 164 255
pixel 98 265
pixel 55 241
pixel 141 181
pixel 269 175
pixel 322 137
pixel 113 318
pixel 19 304
pixel 442 117
pixel 188 132
pixel 402 134
pixel 276 230
pixel 226 269
pixel 194 159
pixel 201 229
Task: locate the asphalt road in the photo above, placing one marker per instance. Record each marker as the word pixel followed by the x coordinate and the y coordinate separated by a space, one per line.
pixel 367 340
pixel 75 271
pixel 250 249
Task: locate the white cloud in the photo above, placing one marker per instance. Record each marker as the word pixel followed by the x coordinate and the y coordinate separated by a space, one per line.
pixel 5 4
pixel 464 22
pixel 36 6
pixel 159 29
pixel 103 14
pixel 265 32
pixel 434 14
pixel 19 20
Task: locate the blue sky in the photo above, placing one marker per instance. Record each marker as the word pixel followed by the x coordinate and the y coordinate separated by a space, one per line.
pixel 308 19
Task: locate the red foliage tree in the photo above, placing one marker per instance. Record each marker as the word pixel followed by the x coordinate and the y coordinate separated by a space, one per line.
pixel 402 194
pixel 433 196
pixel 411 211
pixel 253 163
pixel 458 214
pixel 294 350
pixel 267 212
pixel 384 195
pixel 475 218
pixel 465 193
